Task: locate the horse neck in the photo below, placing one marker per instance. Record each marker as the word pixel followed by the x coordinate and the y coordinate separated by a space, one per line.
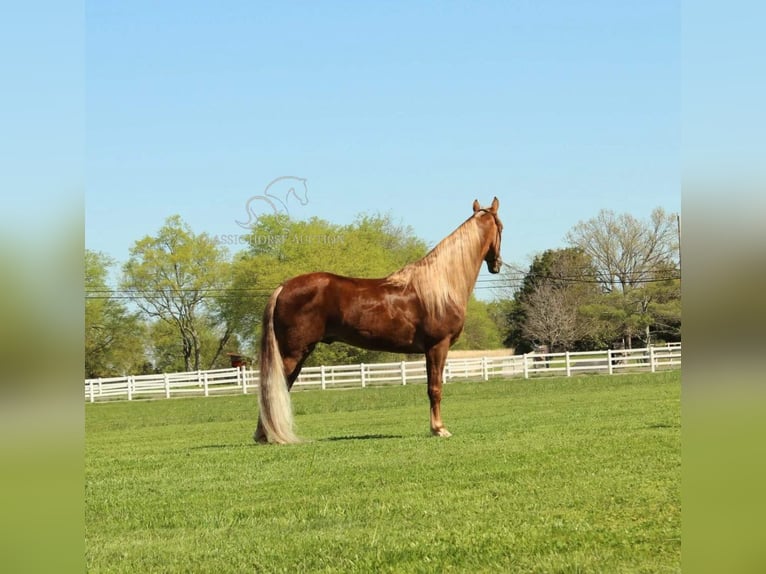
pixel 463 251
pixel 447 274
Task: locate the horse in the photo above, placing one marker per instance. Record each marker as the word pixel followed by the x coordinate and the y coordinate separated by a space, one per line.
pixel 418 309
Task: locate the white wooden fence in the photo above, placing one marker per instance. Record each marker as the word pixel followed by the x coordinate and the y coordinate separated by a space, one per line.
pixel 244 381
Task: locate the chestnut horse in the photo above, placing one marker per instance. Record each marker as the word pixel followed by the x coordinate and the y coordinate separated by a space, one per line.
pixel 420 308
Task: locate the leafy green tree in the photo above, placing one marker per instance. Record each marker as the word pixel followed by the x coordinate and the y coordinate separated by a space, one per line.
pixel 501 312
pixel 174 277
pixel 665 309
pixel 633 258
pixel 222 322
pixel 167 347
pixel 114 336
pixel 648 313
pixel 479 331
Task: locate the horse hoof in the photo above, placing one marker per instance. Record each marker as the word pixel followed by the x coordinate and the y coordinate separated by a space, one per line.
pixel 442 432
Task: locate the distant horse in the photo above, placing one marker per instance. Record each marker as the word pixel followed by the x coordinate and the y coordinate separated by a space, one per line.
pixel 420 308
pixel 279 188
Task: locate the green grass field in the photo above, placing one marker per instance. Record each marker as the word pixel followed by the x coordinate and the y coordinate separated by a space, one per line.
pixel 553 475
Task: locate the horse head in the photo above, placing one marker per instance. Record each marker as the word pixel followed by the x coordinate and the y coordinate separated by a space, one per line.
pixel 495 233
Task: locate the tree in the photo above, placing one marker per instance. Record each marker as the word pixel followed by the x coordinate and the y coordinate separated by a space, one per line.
pixel 546 307
pixel 550 317
pixel 665 308
pixel 114 337
pixel 479 331
pixel 501 312
pixel 174 277
pixel 625 251
pixel 167 347
pixel 629 255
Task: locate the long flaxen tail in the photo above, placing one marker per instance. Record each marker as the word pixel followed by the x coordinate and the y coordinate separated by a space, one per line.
pixel 275 420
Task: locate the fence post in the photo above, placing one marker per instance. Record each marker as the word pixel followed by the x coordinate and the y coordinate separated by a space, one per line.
pixel 609 361
pixel 446 373
pixel 100 389
pixel 204 383
pixel 166 380
pixel 526 366
pixel 484 369
pixel 403 368
pixel 651 359
pixel 92 395
pixel 322 377
pixel 242 376
pixel 569 367
pixel 130 388
pixel 361 372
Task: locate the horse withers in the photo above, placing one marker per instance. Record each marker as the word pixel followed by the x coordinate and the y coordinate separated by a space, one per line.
pixel 419 308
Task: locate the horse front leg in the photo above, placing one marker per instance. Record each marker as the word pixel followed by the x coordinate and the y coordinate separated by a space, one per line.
pixel 435 359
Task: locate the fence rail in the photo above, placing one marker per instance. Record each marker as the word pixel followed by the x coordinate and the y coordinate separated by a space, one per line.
pixel 244 381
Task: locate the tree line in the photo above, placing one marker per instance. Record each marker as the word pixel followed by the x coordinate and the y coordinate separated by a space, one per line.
pixel 183 302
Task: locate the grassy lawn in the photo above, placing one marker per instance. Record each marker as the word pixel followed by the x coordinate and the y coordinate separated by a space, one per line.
pixel 551 475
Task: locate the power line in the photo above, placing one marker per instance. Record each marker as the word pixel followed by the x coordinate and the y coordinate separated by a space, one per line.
pixel 231 292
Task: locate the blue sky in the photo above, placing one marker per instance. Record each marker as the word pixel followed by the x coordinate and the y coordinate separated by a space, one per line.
pixel 559 109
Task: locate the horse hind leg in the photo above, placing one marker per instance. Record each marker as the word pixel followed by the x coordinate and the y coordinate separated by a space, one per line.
pixel 293 364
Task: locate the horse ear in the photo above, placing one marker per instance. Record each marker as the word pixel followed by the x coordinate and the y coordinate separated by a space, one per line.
pixel 495 205
pixel 476 206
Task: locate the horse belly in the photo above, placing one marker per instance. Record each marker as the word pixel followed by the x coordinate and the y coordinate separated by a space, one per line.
pixel 377 328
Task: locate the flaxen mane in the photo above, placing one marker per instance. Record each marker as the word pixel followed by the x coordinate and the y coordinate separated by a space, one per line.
pixel 447 274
